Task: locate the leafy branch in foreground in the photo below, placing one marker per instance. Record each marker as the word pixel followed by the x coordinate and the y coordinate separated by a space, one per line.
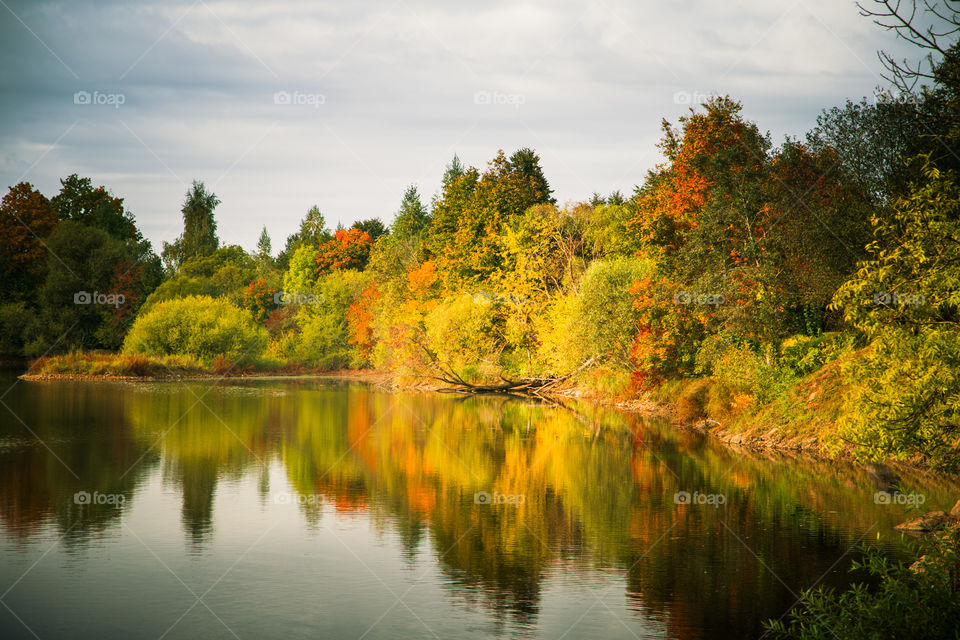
pixel 917 601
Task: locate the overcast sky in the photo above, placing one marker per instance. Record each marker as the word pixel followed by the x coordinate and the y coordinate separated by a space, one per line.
pixel 284 104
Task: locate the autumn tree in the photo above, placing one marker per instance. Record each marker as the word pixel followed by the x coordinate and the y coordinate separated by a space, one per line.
pixel 348 249
pixel 472 210
pixel 26 218
pixel 744 238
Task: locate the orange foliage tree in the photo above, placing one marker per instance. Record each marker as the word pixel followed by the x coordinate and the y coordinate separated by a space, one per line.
pixel 348 249
pixel 744 240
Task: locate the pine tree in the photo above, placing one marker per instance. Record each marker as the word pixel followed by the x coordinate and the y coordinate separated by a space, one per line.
pixel 412 218
pixel 264 246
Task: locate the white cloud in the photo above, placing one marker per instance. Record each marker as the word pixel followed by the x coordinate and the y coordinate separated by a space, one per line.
pixel 590 83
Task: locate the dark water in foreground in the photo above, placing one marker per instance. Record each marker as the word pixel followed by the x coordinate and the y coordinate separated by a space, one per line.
pixel 306 509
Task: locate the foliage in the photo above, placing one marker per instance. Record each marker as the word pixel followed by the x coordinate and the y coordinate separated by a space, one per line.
pixel 466 335
pixel 373 227
pixel 224 273
pixel 360 316
pixel 26 217
pixel 197 326
pixel 905 398
pixel 412 219
pixel 919 601
pixel 79 202
pixel 14 316
pixel 199 236
pixel 727 223
pixel 264 246
pixel 259 299
pixel 302 272
pixel 324 340
pixel 474 208
pixel 313 231
pixel 605 312
pixel 349 249
pixel 92 289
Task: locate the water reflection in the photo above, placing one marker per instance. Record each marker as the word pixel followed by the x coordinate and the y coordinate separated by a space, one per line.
pixel 598 490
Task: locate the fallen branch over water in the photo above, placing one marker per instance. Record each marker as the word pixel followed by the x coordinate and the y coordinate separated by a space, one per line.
pixel 520 386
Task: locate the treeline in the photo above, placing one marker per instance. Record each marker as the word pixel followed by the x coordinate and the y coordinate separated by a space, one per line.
pixel 737 261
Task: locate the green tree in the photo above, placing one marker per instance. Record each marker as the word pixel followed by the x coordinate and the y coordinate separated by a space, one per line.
pixel 264 248
pixel 199 236
pixel 92 290
pixel 413 218
pixel 373 227
pixel 313 231
pixel 905 388
pixel 80 202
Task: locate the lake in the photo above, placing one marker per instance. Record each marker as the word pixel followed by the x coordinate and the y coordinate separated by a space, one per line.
pixel 294 508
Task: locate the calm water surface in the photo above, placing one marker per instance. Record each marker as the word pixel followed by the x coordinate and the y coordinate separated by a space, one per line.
pixel 322 509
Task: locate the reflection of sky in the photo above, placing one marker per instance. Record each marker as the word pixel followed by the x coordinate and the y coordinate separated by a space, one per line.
pixel 264 570
pixel 586 83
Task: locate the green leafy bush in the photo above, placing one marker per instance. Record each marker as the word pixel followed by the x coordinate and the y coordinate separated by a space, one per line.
pixel 903 397
pixel 919 602
pixel 324 339
pixel 605 312
pixel 464 333
pixel 198 326
pixel 805 354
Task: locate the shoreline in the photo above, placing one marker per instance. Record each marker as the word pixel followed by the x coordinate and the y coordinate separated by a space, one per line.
pixel 808 445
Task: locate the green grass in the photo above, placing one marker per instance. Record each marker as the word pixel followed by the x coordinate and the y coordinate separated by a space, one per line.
pixel 102 364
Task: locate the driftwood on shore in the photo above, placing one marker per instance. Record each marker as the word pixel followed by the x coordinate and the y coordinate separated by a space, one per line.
pixel 520 386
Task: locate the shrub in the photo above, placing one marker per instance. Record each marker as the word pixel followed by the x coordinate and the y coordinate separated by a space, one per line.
pixel 903 398
pixel 605 311
pixel 806 354
pixel 324 339
pixel 14 317
pixel 918 602
pixel 742 369
pixel 464 332
pixel 198 326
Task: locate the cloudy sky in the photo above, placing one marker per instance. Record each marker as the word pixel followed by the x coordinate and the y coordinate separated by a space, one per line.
pixel 284 104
